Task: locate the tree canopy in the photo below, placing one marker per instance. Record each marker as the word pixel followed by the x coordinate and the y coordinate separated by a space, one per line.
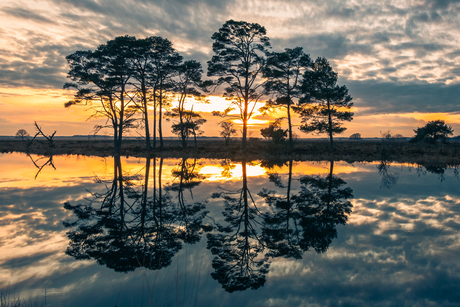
pixel 240 56
pixel 327 104
pixel 284 73
pixel 433 131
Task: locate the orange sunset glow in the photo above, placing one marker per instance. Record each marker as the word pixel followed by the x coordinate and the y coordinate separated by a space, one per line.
pixel 399 76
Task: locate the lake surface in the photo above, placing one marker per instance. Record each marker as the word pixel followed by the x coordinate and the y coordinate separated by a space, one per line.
pixel 90 231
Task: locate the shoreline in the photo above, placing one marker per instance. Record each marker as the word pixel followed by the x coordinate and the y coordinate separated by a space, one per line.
pixel 350 151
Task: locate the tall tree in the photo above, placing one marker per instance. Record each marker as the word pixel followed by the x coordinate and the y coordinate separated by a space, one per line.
pixel 327 103
pixel 187 84
pixel 164 62
pixel 284 74
pixel 240 56
pixel 102 76
pixel 143 51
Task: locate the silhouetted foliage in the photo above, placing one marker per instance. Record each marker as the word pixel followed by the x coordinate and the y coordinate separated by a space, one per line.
pixel 433 131
pixel 355 136
pixel 153 61
pixel 284 73
pixel 323 203
pixel 274 132
pixel 227 167
pixel 163 67
pixel 239 60
pixel 102 76
pixel 188 84
pixel 227 130
pixel 22 133
pixel 327 104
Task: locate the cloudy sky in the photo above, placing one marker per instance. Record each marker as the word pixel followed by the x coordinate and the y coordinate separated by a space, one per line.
pixel 399 59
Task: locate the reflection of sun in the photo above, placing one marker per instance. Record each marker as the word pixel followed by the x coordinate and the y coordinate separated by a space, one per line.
pixel 214 172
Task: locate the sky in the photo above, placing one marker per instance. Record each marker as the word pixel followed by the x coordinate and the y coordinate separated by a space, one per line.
pixel 399 59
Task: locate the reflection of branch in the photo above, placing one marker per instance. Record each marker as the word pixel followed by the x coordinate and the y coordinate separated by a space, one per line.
pixel 49 162
pixel 40 132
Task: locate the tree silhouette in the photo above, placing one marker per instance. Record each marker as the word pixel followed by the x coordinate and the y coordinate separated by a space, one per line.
pixel 227 167
pixel 102 77
pixel 188 84
pixel 22 133
pixel 227 130
pixel 274 132
pixel 323 204
pixel 284 74
pixel 433 131
pixel 237 245
pixel 164 61
pixel 327 104
pixel 239 60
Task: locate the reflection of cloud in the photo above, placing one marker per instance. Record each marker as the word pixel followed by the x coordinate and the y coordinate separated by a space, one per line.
pixel 399 248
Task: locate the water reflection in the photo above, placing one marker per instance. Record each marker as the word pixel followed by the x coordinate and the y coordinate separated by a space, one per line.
pixel 124 228
pixel 308 218
pixel 292 224
pixel 39 164
pixel 239 263
pixel 287 232
pixel 388 177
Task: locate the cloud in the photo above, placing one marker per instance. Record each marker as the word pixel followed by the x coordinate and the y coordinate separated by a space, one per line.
pixel 26 14
pixel 393 97
pixel 394 57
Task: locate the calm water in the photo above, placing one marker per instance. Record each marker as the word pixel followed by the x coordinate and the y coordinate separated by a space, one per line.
pixel 89 231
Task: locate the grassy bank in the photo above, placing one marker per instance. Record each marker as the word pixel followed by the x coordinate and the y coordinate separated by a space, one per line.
pixel 313 150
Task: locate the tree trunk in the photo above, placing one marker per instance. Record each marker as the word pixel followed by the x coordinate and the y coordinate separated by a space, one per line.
pixel 146 116
pixel 289 122
pixel 330 124
pixel 154 118
pixel 160 131
pixel 245 126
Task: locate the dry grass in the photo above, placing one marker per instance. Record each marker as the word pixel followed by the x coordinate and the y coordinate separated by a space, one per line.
pixel 305 150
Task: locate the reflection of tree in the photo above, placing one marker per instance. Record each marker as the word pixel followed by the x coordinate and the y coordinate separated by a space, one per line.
pixel 437 169
pixel 190 217
pixel 227 168
pixel 297 222
pixel 281 229
pixel 123 228
pixel 237 245
pixel 389 178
